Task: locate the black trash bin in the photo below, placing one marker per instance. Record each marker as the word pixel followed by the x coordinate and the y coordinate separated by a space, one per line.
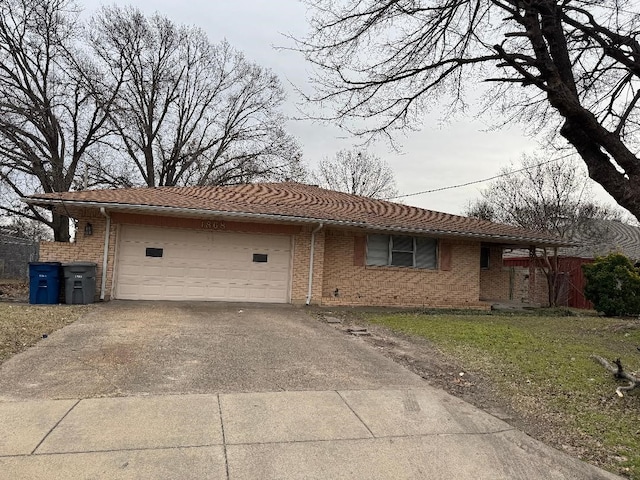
pixel 44 282
pixel 79 282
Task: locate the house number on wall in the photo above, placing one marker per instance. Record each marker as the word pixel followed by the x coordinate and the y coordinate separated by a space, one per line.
pixel 211 225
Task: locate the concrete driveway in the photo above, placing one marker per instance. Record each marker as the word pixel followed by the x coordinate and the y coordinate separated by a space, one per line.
pixel 136 348
pixel 199 391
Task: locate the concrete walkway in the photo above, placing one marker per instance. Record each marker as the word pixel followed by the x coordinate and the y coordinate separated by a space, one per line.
pixel 348 434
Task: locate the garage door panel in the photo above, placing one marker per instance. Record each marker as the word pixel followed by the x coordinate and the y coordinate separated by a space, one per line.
pixel 277 277
pixel 202 265
pixel 175 290
pixel 149 291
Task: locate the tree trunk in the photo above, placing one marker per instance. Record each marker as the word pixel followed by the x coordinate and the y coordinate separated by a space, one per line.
pixel 550 289
pixel 60 226
pixel 623 187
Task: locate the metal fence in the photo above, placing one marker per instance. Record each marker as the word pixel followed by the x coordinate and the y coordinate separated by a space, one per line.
pixel 15 255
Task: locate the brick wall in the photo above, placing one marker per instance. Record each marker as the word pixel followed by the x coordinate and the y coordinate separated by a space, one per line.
pixel 347 284
pixel 496 282
pixel 527 285
pixel 300 270
pixel 455 284
pixel 85 248
pixel 203 224
pixel 541 291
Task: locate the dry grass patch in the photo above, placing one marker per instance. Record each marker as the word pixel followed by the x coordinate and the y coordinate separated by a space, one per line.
pixel 21 326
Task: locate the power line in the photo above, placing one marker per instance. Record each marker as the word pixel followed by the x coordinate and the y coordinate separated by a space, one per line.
pixel 506 174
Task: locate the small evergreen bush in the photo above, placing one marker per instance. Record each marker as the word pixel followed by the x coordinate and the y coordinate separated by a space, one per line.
pixel 613 285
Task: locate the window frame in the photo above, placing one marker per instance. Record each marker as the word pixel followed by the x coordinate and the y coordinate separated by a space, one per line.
pixel 391 249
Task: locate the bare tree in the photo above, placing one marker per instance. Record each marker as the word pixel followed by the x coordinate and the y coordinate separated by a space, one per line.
pixel 190 113
pixel 545 195
pixel 22 227
pixel 49 117
pixel 356 172
pixel 480 209
pixel 574 65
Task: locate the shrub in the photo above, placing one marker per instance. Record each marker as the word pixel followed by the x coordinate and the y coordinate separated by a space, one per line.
pixel 613 285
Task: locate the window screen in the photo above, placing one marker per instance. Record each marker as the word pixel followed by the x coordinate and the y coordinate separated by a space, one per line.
pixel 378 250
pixel 426 253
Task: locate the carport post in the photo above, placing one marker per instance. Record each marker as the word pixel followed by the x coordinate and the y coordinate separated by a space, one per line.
pixel 311 255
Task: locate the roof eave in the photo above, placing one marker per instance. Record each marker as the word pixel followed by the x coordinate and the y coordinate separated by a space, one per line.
pixel 504 239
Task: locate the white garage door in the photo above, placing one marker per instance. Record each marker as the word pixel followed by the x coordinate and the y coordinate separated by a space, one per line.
pixel 172 264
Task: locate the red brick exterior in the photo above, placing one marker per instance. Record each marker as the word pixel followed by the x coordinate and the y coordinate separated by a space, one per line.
pixel 340 276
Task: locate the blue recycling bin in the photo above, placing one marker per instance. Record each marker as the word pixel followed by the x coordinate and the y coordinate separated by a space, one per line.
pixel 44 282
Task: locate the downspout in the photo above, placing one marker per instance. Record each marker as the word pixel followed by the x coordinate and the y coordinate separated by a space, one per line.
pixel 311 255
pixel 105 255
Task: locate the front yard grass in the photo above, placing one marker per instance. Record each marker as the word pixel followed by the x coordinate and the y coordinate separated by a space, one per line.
pixel 541 367
pixel 21 326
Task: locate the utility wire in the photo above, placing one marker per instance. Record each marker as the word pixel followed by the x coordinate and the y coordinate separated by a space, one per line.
pixel 505 174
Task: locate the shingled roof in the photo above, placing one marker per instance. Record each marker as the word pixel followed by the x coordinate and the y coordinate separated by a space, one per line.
pixel 603 237
pixel 295 203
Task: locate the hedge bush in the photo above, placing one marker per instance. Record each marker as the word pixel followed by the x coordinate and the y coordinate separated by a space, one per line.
pixel 613 285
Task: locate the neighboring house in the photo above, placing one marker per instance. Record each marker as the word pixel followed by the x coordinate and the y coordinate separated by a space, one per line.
pixel 283 242
pixel 599 238
pixel 15 255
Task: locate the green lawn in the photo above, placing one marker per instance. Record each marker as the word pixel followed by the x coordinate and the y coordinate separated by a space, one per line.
pixel 542 366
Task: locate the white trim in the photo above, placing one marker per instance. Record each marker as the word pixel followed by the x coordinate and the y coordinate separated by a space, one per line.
pixel 116 256
pixel 105 255
pixel 311 258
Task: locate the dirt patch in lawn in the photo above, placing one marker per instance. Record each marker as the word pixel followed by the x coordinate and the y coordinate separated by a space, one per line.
pixel 522 409
pixel 437 368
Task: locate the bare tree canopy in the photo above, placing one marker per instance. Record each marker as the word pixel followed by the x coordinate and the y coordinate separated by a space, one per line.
pixel 128 100
pixel 572 64
pixel 547 195
pixel 190 112
pixel 358 173
pixel 542 194
pixel 23 227
pixel 49 117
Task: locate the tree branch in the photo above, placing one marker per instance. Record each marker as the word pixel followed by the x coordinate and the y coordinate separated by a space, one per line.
pixel 619 373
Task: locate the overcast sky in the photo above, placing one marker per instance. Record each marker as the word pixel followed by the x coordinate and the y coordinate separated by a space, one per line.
pixel 461 151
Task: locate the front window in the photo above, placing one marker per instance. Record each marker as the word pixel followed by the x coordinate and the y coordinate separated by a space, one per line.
pixel 402 251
